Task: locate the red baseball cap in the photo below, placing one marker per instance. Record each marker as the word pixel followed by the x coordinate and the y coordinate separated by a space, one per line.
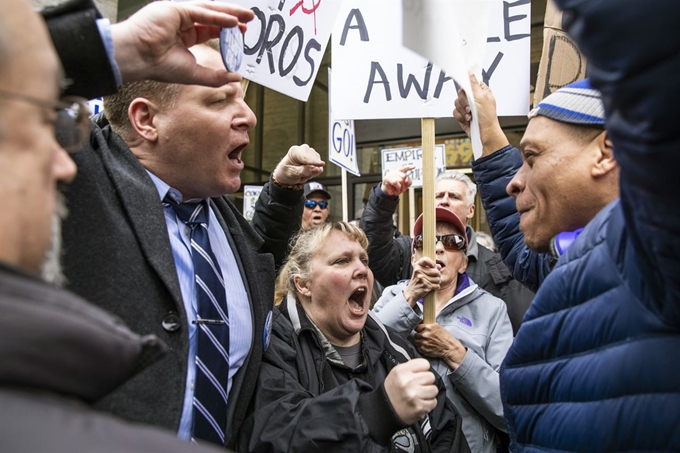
pixel 443 215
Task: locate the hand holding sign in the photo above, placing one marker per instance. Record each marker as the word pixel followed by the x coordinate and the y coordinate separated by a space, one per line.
pixel 491 133
pixel 153 43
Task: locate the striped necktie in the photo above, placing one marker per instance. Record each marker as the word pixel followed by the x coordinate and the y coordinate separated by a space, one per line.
pixel 212 356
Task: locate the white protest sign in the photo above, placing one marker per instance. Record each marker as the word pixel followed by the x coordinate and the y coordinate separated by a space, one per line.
pixel 342 146
pixel 451 34
pixel 395 158
pixel 377 77
pixel 285 43
pixel 250 196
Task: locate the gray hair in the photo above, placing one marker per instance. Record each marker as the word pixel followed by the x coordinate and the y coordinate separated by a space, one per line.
pixel 459 176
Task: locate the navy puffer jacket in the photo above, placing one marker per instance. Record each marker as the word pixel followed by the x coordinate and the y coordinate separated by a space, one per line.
pixel 595 365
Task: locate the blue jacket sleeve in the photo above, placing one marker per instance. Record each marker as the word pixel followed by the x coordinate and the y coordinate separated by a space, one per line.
pixel 493 173
pixel 636 73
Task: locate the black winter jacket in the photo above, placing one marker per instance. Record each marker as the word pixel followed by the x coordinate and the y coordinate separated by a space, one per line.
pixel 308 400
pixel 58 355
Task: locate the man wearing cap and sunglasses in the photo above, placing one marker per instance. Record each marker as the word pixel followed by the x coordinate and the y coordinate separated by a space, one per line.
pixel 471 335
pixel 316 205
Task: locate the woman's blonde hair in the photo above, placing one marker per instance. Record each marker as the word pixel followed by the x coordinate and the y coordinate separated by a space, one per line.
pixel 304 246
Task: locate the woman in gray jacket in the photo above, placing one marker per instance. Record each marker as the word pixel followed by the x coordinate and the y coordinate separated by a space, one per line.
pixel 471 335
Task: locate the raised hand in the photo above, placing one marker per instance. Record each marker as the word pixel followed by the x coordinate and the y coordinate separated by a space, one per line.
pixel 153 43
pixel 300 164
pixel 396 182
pixel 492 135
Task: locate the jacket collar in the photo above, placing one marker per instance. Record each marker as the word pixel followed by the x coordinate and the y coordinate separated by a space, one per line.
pixel 140 200
pixel 473 247
pixel 373 329
pixel 463 297
pixel 301 322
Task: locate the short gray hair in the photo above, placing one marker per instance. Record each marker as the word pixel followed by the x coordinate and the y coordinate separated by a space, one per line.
pixel 459 176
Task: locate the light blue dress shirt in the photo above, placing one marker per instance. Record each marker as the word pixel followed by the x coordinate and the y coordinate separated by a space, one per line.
pixel 104 27
pixel 240 317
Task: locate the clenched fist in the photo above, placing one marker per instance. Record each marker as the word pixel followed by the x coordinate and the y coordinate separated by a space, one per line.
pixel 299 165
pixel 411 390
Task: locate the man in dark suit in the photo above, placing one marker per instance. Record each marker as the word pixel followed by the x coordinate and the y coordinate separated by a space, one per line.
pixel 128 252
pixel 59 354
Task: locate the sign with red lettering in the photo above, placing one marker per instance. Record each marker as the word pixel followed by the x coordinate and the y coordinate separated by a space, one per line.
pixel 285 43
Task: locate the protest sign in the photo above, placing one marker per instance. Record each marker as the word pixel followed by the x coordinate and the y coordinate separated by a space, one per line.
pixel 285 43
pixel 561 61
pixel 95 105
pixel 342 146
pixel 451 34
pixel 395 158
pixel 250 196
pixel 377 77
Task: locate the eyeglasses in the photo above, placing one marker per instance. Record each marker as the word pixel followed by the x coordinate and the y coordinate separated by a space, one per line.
pixel 72 124
pixel 311 204
pixel 449 241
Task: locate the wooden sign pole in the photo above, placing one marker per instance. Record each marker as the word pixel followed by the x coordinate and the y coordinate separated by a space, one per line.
pixel 429 222
pixel 345 198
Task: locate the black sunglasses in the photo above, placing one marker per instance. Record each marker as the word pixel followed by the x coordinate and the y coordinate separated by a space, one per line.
pixel 449 241
pixel 72 121
pixel 311 204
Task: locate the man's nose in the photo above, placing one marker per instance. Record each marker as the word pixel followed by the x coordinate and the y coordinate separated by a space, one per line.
pixel 517 183
pixel 63 167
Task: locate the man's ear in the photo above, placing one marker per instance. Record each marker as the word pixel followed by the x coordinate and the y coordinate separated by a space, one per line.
pixel 301 286
pixel 605 158
pixel 142 114
pixel 464 266
pixel 470 213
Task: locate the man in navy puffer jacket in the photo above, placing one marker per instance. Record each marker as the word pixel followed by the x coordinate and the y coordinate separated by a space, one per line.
pixel 593 367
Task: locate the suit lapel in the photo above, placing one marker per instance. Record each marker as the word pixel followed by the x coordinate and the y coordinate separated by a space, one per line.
pixel 142 204
pixel 257 272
